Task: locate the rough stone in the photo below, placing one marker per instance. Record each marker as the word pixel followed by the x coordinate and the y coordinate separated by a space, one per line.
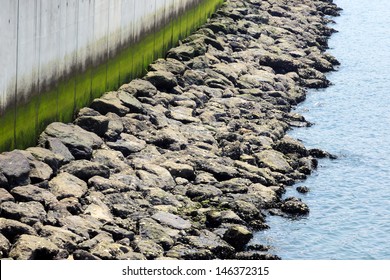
pixel 5 196
pixel 29 247
pixel 238 236
pixel 25 212
pixel 84 169
pixel 15 167
pixel 67 185
pixel 171 220
pixel 149 228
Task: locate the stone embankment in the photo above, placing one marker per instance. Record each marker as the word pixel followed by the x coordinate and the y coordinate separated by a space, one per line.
pixel 186 162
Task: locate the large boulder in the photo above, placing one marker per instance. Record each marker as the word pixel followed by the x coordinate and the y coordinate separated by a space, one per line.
pixel 67 185
pixel 84 169
pixel 29 247
pixel 15 167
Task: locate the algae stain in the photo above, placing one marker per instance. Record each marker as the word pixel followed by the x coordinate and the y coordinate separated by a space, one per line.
pixel 66 97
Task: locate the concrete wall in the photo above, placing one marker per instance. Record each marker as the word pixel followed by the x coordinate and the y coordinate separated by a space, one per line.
pixel 57 55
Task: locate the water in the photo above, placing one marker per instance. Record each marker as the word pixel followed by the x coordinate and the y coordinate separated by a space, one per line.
pixel 350 197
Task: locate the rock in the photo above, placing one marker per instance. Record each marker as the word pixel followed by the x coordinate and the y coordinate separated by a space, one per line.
pixel 3 181
pixel 179 170
pixel 110 103
pixel 29 247
pixel 62 238
pixel 289 145
pixel 79 141
pixel 84 255
pixel 274 160
pixel 130 102
pixel 168 65
pixel 237 236
pixel 185 252
pixel 221 168
pixel 5 246
pixel 157 196
pixel 132 256
pixel 11 229
pixel 182 114
pixel 99 211
pixel 83 226
pixel 102 184
pixel 236 185
pixel 114 160
pixel 142 88
pixel 128 144
pixel 5 196
pixel 150 249
pixel 34 193
pixel 202 192
pixel 302 189
pixel 149 228
pixel 84 169
pixel 25 212
pixel 171 220
pixel 245 210
pixel 294 206
pixel 265 196
pixel 59 149
pixel 95 124
pixel 66 185
pixel 15 167
pixel 161 79
pixel 181 53
pixel 40 171
pixel 115 127
pixel 110 251
pixel 209 241
pixel 317 153
pixel 118 233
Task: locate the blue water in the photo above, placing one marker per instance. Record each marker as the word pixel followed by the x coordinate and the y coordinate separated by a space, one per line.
pixel 350 197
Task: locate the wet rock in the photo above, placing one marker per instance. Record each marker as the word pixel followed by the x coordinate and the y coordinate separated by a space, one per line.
pixel 5 196
pixel 29 247
pixel 34 193
pixel 185 252
pixel 150 249
pixel 79 141
pixel 171 220
pixel 276 161
pixel 84 169
pixel 5 246
pixel 209 241
pixel 289 145
pixel 149 228
pixel 66 185
pixel 302 189
pixel 25 212
pixel 317 153
pixel 15 167
pixel 84 255
pixel 294 206
pixel 202 192
pixel 238 236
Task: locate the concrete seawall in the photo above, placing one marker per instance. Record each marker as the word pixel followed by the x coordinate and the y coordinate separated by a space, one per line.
pixel 57 56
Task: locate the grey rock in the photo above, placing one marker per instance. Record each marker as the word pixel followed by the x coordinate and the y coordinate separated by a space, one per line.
pixel 112 159
pixel 149 228
pixel 3 181
pixel 179 169
pixel 161 79
pixel 34 193
pixel 275 160
pixel 294 206
pixel 79 141
pixel 171 220
pixel 62 238
pixel 25 212
pixel 181 53
pixel 15 167
pixel 84 169
pixel 128 144
pixel 29 247
pixel 150 249
pixel 142 88
pixel 61 153
pixel 118 233
pixel 5 246
pixel 182 114
pixel 83 226
pixel 40 171
pixel 66 185
pixel 238 236
pixel 95 124
pixel 11 229
pixel 104 185
pixel 185 252
pixel 202 192
pixel 255 255
pixel 84 255
pixel 130 102
pixel 168 65
pixel 5 196
pixel 110 103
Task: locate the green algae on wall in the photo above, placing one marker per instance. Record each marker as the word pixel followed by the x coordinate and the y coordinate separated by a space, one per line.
pixel 21 123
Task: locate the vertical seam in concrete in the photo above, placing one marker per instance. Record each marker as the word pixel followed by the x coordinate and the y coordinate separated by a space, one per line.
pixel 16 69
pixel 76 55
pixel 39 67
pixel 108 39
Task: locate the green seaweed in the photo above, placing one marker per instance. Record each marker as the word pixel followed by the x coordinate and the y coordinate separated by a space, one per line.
pixel 61 102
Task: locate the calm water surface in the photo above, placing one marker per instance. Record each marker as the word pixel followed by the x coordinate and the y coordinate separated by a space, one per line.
pixel 350 197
